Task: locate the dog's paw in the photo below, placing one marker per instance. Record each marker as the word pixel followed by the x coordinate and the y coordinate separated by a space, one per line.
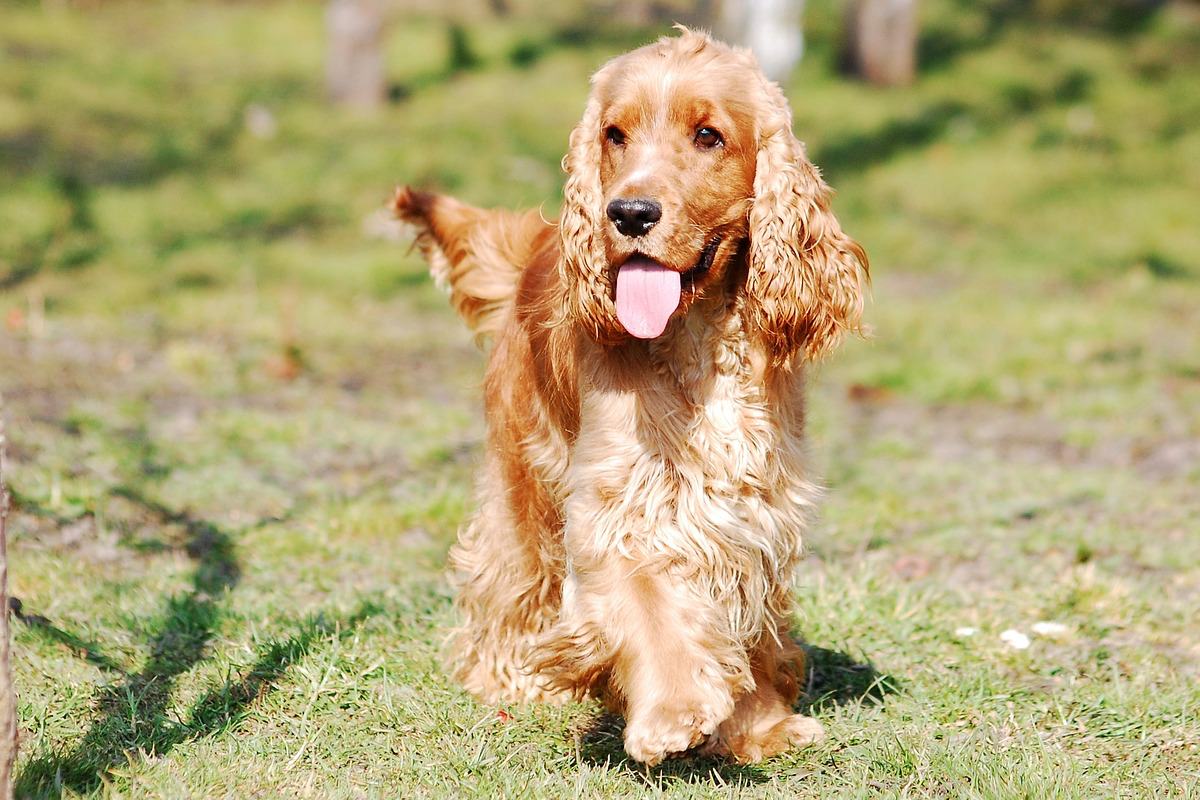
pixel 668 731
pixel 791 732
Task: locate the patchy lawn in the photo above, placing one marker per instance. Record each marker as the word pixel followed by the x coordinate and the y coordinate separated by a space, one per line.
pixel 243 424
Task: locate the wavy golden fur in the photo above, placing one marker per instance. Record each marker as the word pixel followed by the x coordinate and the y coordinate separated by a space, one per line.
pixel 642 501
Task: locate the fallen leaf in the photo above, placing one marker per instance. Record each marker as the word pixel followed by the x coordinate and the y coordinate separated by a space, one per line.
pixel 862 393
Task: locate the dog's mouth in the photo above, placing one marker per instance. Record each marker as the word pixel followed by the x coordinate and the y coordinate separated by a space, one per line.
pixel 648 292
pixel 697 273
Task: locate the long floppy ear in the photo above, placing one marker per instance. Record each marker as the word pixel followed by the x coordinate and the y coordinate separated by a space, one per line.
pixel 805 283
pixel 584 265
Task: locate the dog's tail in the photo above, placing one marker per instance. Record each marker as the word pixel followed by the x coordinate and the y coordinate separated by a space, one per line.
pixel 476 254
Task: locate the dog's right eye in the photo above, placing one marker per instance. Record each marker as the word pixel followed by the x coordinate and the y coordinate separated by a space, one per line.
pixel 708 138
pixel 613 134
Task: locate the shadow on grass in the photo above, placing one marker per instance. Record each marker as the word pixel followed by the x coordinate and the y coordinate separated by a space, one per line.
pixel 836 679
pixel 525 52
pixel 135 722
pixel 133 713
pixel 857 151
pixel 76 170
pixel 939 46
pixel 942 42
pixel 600 743
pixel 46 630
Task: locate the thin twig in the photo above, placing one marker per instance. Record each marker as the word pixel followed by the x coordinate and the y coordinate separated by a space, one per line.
pixel 8 701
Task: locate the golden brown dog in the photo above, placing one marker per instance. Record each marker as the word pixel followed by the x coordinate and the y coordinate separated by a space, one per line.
pixel 645 490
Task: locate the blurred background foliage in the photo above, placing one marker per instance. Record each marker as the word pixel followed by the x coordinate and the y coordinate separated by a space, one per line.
pixel 172 151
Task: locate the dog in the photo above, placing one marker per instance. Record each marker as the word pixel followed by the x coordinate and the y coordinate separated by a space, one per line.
pixel 644 491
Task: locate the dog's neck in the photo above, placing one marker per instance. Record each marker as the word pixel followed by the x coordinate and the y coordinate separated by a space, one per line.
pixel 709 341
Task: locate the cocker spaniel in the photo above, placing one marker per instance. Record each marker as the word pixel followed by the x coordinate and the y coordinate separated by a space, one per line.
pixel 645 490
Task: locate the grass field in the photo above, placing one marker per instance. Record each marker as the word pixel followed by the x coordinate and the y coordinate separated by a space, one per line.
pixel 243 424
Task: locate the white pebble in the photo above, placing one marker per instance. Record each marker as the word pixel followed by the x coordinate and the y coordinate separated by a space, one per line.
pixel 965 631
pixel 1051 629
pixel 260 121
pixel 1015 639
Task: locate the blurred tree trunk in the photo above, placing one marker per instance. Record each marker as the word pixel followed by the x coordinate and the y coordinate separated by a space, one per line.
pixel 8 699
pixel 881 40
pixel 770 28
pixel 354 69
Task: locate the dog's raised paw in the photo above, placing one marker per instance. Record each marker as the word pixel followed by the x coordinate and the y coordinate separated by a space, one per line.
pixel 790 733
pixel 667 732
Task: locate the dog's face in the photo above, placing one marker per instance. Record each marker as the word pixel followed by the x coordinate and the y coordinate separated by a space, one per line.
pixel 677 165
pixel 684 160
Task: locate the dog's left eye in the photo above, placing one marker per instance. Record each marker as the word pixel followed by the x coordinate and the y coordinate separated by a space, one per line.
pixel 708 138
pixel 615 135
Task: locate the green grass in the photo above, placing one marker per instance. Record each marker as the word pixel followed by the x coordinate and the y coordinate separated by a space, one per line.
pixel 243 431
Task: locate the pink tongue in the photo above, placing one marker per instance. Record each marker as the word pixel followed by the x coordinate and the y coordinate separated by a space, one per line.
pixel 647 296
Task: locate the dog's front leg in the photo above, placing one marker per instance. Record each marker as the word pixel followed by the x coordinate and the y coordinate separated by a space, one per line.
pixel 670 670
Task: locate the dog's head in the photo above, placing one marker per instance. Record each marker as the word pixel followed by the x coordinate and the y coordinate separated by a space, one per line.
pixel 684 163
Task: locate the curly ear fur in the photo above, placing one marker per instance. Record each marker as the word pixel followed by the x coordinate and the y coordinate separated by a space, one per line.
pixel 584 263
pixel 805 284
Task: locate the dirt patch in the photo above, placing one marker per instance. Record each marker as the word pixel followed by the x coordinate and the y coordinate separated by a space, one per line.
pixel 962 432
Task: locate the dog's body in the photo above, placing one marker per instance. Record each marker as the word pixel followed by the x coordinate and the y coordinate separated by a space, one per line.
pixel 644 492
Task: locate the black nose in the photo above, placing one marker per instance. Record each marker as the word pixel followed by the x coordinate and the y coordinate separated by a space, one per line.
pixel 634 217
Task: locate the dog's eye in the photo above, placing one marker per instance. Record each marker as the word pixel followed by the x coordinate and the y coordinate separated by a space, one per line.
pixel 613 134
pixel 708 138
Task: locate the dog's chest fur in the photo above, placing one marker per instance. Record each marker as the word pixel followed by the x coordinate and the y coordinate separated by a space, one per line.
pixel 694 464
